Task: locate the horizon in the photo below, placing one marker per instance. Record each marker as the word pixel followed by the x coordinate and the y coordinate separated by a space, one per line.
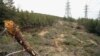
pixel 57 8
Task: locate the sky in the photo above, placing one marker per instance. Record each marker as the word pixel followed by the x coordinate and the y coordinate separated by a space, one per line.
pixel 57 7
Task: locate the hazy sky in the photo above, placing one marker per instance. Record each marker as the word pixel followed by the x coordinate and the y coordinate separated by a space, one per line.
pixel 57 7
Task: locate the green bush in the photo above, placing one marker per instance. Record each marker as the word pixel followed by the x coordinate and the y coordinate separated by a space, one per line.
pixel 69 19
pixel 91 25
pixel 98 27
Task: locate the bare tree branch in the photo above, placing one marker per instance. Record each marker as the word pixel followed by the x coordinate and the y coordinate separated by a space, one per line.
pixel 15 52
pixel 3 31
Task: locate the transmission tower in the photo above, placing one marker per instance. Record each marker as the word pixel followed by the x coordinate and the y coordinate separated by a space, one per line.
pixel 67 10
pixel 86 11
pixel 98 15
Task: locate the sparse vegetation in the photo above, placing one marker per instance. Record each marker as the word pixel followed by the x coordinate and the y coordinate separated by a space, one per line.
pixel 51 35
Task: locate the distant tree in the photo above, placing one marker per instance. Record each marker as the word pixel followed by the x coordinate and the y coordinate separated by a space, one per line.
pixel 98 27
pixel 9 3
pixel 2 11
pixel 6 12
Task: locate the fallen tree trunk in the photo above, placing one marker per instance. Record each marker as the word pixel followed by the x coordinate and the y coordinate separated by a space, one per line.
pixel 20 39
pixel 14 30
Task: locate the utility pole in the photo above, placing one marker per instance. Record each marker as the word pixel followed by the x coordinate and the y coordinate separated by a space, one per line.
pixel 67 10
pixel 86 11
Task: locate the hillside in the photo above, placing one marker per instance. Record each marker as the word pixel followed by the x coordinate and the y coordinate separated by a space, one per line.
pixel 63 38
pixel 49 35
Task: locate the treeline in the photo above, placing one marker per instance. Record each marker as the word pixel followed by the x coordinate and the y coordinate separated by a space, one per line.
pixel 24 18
pixel 31 19
pixel 91 25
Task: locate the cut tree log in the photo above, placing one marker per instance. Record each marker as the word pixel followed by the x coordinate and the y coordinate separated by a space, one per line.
pixel 14 30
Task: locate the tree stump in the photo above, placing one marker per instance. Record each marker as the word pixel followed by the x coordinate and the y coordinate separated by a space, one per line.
pixel 14 31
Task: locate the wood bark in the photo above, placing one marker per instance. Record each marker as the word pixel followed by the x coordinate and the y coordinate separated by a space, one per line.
pixel 14 31
pixel 20 39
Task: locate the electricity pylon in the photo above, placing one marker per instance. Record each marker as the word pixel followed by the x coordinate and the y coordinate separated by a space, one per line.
pixel 67 10
pixel 99 15
pixel 86 11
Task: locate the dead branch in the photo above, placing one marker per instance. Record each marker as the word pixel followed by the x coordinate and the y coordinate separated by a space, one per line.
pixel 15 52
pixel 3 32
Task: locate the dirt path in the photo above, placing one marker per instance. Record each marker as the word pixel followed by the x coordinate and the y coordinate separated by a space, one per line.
pixel 42 33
